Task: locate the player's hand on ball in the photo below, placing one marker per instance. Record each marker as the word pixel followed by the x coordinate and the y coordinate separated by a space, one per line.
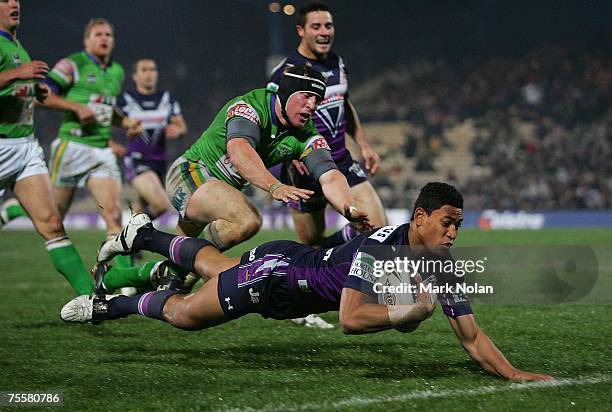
pixel 423 298
pixel 357 218
pixel 285 193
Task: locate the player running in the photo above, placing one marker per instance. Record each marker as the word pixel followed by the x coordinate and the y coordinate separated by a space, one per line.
pixel 284 279
pixel 161 118
pixel 22 165
pixel 85 87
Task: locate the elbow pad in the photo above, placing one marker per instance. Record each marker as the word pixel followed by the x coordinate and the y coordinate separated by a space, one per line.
pixel 318 162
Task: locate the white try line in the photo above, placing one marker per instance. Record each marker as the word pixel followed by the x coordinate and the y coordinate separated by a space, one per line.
pixel 428 394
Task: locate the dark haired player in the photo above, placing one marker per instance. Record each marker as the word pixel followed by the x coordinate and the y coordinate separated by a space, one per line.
pixel 334 116
pixel 160 114
pixel 284 279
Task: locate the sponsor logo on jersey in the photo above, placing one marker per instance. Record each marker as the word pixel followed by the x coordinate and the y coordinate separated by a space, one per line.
pixel 388 297
pixel 65 69
pixel 91 78
pixel 317 142
pixel 363 267
pixel 16 59
pixel 328 74
pixel 283 151
pixel 23 90
pixel 107 100
pixel 243 109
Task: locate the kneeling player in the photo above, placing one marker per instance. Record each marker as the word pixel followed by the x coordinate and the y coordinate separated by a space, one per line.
pixel 284 279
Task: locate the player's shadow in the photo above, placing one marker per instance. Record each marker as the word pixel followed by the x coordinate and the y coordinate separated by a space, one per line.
pixel 381 361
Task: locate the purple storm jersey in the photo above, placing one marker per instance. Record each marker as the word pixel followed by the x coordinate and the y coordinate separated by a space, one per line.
pixel 155 111
pixel 329 118
pixel 286 279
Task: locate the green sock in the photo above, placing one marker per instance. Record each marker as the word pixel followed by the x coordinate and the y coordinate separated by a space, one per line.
pixel 15 210
pixel 136 276
pixel 9 210
pixel 67 261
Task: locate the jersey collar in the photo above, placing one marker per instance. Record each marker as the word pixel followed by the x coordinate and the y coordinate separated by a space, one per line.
pixel 98 61
pixel 8 35
pixel 275 120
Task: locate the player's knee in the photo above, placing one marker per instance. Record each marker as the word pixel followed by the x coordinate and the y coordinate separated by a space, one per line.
pixel 248 226
pixel 50 225
pixel 176 313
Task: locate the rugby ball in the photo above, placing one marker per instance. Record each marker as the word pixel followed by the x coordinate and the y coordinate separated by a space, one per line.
pixel 397 288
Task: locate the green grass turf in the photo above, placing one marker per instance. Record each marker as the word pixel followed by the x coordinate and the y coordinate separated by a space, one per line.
pixel 140 364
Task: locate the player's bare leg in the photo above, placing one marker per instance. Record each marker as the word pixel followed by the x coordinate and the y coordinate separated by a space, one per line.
pixel 366 199
pixel 309 226
pixel 36 195
pixel 63 198
pixel 150 190
pixel 197 311
pixel 233 218
pixel 210 262
pixel 106 194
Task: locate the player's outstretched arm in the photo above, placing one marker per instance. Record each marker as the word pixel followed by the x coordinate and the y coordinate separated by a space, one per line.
pixel 480 348
pixel 337 192
pixel 250 166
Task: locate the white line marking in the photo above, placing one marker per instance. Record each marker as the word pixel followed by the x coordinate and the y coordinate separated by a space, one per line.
pixel 483 390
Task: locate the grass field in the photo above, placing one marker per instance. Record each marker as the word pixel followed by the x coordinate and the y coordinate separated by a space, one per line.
pixel 258 364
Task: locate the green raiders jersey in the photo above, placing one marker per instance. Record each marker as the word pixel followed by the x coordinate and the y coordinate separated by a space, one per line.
pixel 275 146
pixel 82 79
pixel 16 98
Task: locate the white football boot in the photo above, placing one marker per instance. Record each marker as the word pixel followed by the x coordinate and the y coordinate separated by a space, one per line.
pixel 122 243
pixel 86 308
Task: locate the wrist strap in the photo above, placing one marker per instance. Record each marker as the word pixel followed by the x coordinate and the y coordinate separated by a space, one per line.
pixel 274 186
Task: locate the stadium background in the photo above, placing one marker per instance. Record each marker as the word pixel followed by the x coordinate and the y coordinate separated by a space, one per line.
pixel 510 100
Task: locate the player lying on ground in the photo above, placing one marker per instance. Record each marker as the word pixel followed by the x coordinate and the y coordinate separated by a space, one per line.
pixel 284 279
